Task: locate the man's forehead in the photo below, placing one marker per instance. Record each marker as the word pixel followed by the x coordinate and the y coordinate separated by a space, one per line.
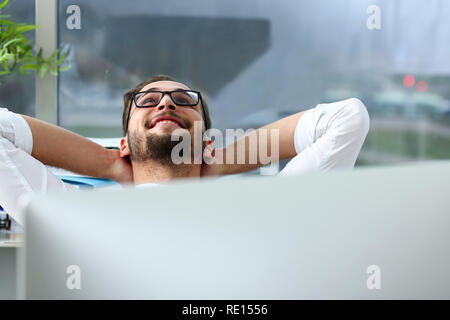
pixel 165 85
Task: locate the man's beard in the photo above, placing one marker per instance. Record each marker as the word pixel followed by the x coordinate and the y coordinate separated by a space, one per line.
pixel 155 147
pixel 150 147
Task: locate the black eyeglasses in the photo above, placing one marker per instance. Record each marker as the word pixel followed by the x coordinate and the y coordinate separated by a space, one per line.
pixel 151 98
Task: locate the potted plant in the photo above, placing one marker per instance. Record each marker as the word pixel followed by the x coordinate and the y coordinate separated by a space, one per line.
pixel 16 50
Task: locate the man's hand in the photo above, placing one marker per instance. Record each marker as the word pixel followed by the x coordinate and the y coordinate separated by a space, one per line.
pixel 211 170
pixel 120 169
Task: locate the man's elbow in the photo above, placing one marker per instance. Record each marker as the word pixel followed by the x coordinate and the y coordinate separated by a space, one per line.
pixel 360 117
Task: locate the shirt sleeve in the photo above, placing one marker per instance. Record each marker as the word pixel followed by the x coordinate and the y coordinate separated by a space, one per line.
pixel 20 173
pixel 329 136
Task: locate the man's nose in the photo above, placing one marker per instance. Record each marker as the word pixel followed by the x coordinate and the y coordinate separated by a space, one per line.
pixel 166 103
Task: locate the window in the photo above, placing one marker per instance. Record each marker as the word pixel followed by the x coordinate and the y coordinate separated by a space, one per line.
pixel 258 61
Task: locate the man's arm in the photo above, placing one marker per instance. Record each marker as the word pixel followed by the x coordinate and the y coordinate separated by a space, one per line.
pixel 58 147
pixel 20 173
pixel 327 136
pixel 285 127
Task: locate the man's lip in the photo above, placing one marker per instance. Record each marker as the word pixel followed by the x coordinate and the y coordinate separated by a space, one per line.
pixel 171 118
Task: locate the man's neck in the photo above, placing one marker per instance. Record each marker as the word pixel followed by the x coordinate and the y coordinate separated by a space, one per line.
pixel 156 172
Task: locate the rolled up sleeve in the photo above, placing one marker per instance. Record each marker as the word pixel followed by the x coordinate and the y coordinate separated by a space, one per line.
pixel 329 136
pixel 20 173
pixel 16 130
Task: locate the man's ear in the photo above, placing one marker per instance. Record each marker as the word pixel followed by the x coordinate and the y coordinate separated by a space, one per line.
pixel 124 150
pixel 209 153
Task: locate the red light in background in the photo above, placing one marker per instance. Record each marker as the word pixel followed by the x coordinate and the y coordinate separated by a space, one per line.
pixel 421 86
pixel 408 81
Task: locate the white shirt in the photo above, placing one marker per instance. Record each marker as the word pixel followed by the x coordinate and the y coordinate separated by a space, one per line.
pixel 326 137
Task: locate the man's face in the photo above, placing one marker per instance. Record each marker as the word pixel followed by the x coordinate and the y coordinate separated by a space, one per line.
pixel 150 130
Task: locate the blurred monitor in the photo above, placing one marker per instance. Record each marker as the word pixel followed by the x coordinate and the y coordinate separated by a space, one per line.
pixel 378 233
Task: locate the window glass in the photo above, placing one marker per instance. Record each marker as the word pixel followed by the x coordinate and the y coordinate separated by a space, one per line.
pixel 257 61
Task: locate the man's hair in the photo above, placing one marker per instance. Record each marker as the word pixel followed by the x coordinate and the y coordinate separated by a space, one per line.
pixel 128 96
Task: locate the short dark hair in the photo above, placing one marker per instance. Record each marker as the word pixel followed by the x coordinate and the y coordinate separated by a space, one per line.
pixel 128 95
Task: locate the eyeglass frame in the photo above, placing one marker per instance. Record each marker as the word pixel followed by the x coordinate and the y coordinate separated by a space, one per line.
pixel 133 98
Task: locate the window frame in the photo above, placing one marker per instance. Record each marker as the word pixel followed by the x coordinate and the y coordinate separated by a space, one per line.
pixel 46 16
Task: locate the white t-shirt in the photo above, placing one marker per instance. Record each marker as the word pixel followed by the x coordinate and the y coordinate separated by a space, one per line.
pixel 326 137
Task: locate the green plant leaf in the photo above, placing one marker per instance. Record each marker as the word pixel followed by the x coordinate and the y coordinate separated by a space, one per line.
pixel 22 71
pixel 65 68
pixel 5 67
pixel 61 59
pixel 30 66
pixel 43 70
pixel 4 3
pixel 11 41
pixel 25 28
pixel 6 57
pixel 3 21
pixel 53 70
pixel 54 55
pixel 16 50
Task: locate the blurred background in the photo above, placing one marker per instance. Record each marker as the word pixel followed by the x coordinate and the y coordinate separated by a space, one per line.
pixel 257 61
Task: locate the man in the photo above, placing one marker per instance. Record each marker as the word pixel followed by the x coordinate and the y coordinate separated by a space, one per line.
pixel 322 138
